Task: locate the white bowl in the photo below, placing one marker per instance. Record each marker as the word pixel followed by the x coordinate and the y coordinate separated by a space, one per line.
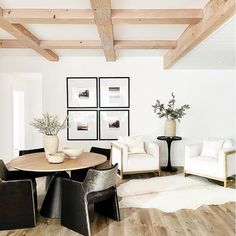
pixel 56 158
pixel 73 153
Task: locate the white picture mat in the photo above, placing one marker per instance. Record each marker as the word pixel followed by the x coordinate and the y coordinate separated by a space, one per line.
pixel 106 101
pixel 77 85
pixel 113 133
pixel 85 117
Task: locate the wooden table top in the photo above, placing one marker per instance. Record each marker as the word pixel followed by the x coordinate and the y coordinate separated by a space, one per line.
pixel 37 162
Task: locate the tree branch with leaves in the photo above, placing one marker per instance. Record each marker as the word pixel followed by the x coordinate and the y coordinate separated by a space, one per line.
pixel 49 124
pixel 169 111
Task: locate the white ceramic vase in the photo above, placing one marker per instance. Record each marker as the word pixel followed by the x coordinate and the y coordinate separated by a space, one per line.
pixel 50 144
pixel 170 128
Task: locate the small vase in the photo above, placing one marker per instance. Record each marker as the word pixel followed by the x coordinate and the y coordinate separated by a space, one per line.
pixel 170 128
pixel 50 144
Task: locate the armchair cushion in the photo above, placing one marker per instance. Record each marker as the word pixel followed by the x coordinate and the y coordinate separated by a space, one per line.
pixel 203 165
pixel 135 144
pixel 211 147
pixel 138 162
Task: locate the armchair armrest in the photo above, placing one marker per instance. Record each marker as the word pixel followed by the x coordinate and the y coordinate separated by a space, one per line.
pixel 72 188
pixel 152 149
pixel 119 155
pixel 227 160
pixel 193 150
pixel 73 206
pixel 190 152
pixel 17 204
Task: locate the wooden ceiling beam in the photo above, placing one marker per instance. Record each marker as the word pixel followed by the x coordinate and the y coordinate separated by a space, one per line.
pixel 145 44
pixel 93 44
pixel 157 16
pixel 85 16
pixel 49 16
pixel 11 43
pixel 22 34
pixel 71 44
pixel 216 12
pixel 102 16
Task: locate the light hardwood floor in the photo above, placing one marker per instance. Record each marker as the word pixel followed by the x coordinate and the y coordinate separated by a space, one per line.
pixel 205 221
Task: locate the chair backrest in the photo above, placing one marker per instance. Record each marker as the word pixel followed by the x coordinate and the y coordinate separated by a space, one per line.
pixel 3 171
pixel 98 180
pixel 25 152
pixel 104 151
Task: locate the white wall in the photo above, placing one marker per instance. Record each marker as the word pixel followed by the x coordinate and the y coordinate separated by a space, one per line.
pixel 31 85
pixel 210 94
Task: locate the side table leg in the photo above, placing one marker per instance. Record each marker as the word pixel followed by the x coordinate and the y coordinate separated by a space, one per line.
pixel 169 166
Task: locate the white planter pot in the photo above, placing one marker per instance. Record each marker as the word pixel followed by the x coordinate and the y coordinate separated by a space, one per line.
pixel 50 144
pixel 170 128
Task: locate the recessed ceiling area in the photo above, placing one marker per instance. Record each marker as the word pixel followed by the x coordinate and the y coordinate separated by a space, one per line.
pixel 147 35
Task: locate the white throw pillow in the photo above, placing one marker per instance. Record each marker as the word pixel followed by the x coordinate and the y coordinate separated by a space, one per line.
pixel 211 147
pixel 135 144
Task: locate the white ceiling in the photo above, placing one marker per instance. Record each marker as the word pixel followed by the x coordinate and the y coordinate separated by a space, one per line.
pixel 217 51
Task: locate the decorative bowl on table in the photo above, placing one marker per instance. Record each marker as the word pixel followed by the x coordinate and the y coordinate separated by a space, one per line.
pixel 56 158
pixel 72 153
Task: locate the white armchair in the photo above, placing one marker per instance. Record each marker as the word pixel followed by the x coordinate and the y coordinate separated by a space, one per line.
pixel 218 164
pixel 137 162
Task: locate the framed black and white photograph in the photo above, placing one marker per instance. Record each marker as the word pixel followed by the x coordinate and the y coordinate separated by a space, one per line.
pixel 114 92
pixel 83 125
pixel 113 123
pixel 82 92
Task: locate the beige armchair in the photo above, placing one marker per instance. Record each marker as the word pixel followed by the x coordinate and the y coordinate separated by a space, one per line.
pixel 218 165
pixel 137 162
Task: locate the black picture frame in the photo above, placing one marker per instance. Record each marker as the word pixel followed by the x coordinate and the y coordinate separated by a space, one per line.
pixel 68 92
pixel 82 139
pixel 112 79
pixel 120 134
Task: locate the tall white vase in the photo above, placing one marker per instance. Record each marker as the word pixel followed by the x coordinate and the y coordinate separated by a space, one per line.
pixel 170 128
pixel 50 144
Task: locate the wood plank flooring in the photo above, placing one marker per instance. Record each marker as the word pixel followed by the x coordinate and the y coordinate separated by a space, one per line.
pixel 211 220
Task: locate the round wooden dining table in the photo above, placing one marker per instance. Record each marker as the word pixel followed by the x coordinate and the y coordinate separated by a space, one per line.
pixel 37 162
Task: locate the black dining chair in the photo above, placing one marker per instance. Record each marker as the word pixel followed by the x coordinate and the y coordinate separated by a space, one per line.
pixel 27 174
pixel 17 201
pixel 106 152
pixel 38 174
pixel 80 175
pixel 98 188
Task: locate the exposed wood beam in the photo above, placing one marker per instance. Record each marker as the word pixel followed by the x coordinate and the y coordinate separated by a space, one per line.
pixel 11 43
pixel 49 16
pixel 85 16
pixel 157 16
pixel 145 44
pixel 216 12
pixel 71 44
pixel 28 39
pixel 102 16
pixel 93 44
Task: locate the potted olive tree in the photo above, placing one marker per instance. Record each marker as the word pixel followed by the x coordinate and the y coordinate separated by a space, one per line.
pixel 171 114
pixel 49 126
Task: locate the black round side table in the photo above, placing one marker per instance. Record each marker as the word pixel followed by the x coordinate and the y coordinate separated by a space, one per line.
pixel 169 141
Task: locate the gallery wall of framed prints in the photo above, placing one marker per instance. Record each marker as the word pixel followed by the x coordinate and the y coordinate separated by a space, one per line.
pixel 98 108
